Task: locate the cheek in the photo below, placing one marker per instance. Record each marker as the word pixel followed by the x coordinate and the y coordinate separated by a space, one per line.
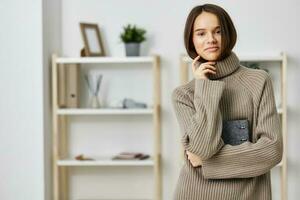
pixel 198 43
pixel 219 39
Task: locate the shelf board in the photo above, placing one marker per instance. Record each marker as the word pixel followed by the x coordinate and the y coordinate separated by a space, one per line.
pixel 87 60
pixel 106 162
pixel 104 111
pixel 250 57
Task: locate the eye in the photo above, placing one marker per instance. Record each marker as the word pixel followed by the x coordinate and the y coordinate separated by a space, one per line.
pixel 200 33
pixel 218 31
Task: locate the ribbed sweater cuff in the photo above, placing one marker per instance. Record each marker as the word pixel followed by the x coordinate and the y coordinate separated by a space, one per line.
pixel 206 88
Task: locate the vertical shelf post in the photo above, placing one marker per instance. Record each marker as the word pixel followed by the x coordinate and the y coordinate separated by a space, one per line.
pixel 59 140
pixel 284 127
pixel 55 169
pixel 157 128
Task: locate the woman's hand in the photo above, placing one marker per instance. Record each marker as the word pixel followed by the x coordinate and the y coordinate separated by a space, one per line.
pixel 194 159
pixel 202 71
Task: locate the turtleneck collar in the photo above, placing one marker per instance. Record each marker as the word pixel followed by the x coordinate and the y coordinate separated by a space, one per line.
pixel 226 66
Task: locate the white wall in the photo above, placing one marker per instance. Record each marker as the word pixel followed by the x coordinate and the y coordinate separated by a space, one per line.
pixel 51 44
pixel 30 33
pixel 263 26
pixel 21 107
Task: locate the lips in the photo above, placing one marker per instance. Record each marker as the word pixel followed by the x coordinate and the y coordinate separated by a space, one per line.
pixel 211 49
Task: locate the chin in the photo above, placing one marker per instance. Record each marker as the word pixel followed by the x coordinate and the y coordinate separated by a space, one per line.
pixel 211 56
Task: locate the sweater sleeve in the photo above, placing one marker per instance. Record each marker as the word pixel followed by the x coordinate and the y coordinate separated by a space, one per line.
pixel 200 118
pixel 251 159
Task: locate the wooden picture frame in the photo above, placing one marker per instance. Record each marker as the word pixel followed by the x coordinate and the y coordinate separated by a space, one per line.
pixel 93 45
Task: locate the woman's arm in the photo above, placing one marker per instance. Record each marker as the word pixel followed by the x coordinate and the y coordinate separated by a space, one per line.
pixel 200 118
pixel 251 159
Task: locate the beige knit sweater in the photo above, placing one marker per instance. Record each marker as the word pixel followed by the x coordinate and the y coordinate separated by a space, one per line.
pixel 228 172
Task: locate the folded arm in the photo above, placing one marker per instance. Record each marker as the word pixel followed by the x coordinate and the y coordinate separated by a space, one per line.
pixel 200 118
pixel 251 159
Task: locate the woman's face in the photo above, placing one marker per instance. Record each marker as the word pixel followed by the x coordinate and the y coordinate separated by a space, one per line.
pixel 207 36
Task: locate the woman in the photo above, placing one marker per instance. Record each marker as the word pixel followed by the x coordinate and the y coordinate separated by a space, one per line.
pixel 221 90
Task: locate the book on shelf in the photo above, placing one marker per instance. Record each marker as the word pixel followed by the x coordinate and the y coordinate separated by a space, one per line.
pixel 130 156
pixel 68 85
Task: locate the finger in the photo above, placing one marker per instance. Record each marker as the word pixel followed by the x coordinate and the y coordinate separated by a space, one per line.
pixel 208 67
pixel 190 155
pixel 195 66
pixel 194 63
pixel 196 59
pixel 209 71
pixel 207 64
pixel 210 62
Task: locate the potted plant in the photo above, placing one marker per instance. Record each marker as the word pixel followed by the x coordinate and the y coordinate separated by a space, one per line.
pixel 132 36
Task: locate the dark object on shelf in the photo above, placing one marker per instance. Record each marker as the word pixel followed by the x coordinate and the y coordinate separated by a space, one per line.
pixel 130 103
pixel 83 53
pixel 235 132
pixel 254 65
pixel 82 158
pixel 130 156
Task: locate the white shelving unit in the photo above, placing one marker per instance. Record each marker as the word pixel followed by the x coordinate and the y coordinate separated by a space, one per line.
pixel 61 160
pixel 280 58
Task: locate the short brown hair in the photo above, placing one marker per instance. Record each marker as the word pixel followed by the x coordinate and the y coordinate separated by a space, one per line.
pixel 228 32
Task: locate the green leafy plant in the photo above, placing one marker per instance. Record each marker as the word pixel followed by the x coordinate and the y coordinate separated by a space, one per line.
pixel 131 33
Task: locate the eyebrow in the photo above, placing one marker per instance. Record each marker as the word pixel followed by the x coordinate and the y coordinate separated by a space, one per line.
pixel 199 29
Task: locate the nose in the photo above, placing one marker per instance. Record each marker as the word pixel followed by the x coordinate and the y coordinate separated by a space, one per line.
pixel 211 38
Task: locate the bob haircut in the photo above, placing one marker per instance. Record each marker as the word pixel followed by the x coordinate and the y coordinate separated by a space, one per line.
pixel 228 32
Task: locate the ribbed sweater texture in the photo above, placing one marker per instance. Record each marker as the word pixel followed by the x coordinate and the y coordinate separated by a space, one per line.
pixel 240 172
